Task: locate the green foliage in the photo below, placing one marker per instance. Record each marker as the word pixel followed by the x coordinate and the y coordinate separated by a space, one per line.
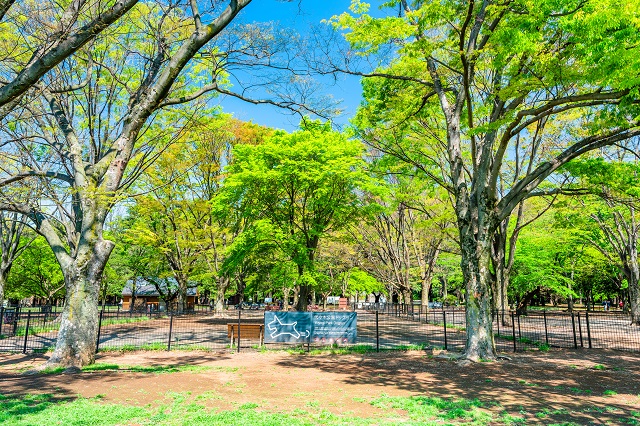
pixel 539 263
pixel 36 273
pixel 293 190
pixel 359 281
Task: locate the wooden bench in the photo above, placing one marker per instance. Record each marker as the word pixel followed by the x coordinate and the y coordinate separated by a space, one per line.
pixel 247 331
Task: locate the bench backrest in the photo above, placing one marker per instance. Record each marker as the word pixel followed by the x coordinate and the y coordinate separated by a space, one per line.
pixel 247 330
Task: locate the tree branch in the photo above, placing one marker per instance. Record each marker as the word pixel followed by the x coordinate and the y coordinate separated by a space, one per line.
pixel 45 59
pixel 31 173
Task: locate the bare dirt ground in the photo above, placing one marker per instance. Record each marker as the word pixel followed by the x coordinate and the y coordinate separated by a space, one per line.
pixel 583 387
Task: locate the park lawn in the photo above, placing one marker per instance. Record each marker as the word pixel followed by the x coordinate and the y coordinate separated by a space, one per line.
pixel 46 409
pixel 555 387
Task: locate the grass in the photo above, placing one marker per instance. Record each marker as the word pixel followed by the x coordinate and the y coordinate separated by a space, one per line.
pixel 157 346
pixel 184 410
pixel 542 347
pixel 345 350
pixel 54 326
pixel 157 369
pixel 435 408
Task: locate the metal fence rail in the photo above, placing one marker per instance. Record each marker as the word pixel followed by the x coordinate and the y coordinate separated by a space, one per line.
pixel 379 327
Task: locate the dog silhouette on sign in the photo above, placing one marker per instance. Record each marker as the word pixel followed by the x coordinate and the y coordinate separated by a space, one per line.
pixel 279 328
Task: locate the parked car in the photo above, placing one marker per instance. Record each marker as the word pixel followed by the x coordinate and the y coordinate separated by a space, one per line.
pixel 435 305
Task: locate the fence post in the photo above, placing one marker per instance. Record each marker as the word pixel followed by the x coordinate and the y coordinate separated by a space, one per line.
pixel 573 326
pixel 239 315
pixel 377 334
pixel 546 331
pixel 498 321
pixel 16 318
pixel 170 330
pixel 580 330
pixel 99 327
pixel 586 315
pixel 26 333
pixel 1 317
pixel 519 329
pixel 513 331
pixel 444 319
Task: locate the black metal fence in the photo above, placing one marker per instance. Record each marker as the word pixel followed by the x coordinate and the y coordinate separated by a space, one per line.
pixel 378 327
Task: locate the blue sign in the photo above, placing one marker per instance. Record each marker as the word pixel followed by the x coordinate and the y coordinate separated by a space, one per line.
pixel 312 327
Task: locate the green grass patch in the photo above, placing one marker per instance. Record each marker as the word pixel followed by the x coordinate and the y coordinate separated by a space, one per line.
pixel 42 409
pixel 346 350
pixel 186 410
pixel 131 320
pixel 157 346
pixel 37 329
pixel 55 326
pixel 158 369
pixel 435 408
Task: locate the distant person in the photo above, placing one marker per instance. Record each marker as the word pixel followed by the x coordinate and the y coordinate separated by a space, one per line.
pixel 621 305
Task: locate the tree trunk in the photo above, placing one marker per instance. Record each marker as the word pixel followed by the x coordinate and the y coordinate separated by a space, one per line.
pixel 285 296
pixel 76 343
pixel 476 260
pixel 428 277
pixel 301 292
pixel 501 300
pixel 443 282
pixel 296 296
pixel 632 271
pixel 407 298
pixel 218 306
pixel 4 273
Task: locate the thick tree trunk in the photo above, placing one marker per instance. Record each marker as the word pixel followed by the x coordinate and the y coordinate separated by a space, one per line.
pixel 218 306
pixel 407 298
pixel 303 298
pixel 424 299
pixel 476 262
pixel 76 343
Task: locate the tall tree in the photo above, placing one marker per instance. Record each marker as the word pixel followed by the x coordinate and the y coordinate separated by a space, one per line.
pixel 79 138
pixel 305 184
pixel 616 184
pixel 465 80
pixel 173 212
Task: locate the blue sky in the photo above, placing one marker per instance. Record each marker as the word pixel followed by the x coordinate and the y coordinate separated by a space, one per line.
pixel 298 15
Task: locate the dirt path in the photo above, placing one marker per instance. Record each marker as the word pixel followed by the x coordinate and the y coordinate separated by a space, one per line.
pixel 595 387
